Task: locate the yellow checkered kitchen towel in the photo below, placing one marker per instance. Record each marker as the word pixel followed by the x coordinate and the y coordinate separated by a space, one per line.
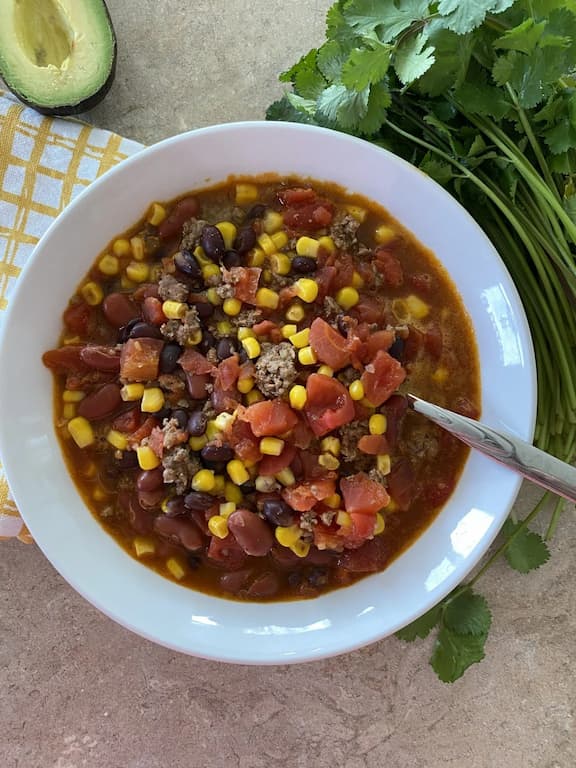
pixel 44 163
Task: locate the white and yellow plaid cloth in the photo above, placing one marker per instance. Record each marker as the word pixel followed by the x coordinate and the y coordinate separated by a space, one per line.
pixel 44 163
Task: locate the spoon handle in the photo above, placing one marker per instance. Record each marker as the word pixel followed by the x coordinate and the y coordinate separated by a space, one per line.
pixel 535 465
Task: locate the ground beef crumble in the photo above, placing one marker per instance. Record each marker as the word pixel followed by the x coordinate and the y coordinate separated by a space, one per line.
pixel 183 331
pixel 349 436
pixel 172 434
pixel 171 289
pixel 344 232
pixel 180 466
pixel 247 317
pixel 172 383
pixel 191 232
pixel 276 369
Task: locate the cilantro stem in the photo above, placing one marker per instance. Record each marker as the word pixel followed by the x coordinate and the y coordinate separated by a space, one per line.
pixel 558 507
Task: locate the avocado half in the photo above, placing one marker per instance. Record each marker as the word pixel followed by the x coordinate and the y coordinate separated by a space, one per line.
pixel 57 56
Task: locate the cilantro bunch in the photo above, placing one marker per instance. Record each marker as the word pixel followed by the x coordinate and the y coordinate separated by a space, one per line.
pixel 480 95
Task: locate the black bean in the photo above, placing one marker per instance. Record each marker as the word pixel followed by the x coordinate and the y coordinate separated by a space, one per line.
pixel 212 242
pixel 198 500
pixel 245 240
pixel 163 413
pixel 277 512
pixel 124 332
pixel 194 561
pixel 256 212
pixel 294 578
pixel 218 467
pixel 187 264
pixel 214 452
pixel 304 265
pixel 169 357
pixel 225 348
pixel 342 323
pixel 197 424
pixel 208 342
pixel 128 460
pixel 231 259
pixel 317 577
pixel 142 330
pixel 397 349
pixel 175 506
pixel 204 309
pixel 181 417
pixel 242 356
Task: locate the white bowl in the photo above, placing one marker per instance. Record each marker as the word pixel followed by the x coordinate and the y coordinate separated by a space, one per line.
pixel 184 620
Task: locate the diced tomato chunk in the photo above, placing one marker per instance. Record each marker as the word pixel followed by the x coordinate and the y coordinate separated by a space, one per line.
pixel 245 281
pixel 140 359
pixel 344 273
pixel 362 526
pixel 303 496
pixel 401 483
pixel 156 441
pixel 382 377
pixel 193 362
pixel 129 421
pixel 301 435
pixel 380 340
pixel 373 445
pixel 422 282
pixel 243 440
pixel 271 465
pixel 324 279
pixel 270 418
pixel 309 218
pixel 389 267
pixel 328 405
pixel 329 345
pixel 363 495
pixel 144 430
pixel 370 309
pixel 369 558
pixel 76 318
pixel 228 372
pixel 296 196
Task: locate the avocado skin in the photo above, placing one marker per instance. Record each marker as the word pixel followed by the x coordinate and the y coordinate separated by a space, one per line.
pixel 65 110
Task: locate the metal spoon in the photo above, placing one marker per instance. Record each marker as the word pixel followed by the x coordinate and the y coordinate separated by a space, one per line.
pixel 535 465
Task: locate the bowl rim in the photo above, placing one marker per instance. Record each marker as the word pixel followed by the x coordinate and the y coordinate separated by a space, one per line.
pixel 14 476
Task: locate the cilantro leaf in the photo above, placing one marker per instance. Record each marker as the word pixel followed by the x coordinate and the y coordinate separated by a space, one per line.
pixel 468 614
pixel 344 107
pixel 479 98
pixel 385 19
pixel 330 60
pixel 307 62
pixel 421 627
pixel 530 76
pixel 523 38
pixel 309 83
pixel 284 110
pixel 413 58
pixel 436 169
pixel 454 653
pixel 462 16
pixel 366 66
pixel 528 551
pixel 378 102
pixel 452 57
pixel 337 27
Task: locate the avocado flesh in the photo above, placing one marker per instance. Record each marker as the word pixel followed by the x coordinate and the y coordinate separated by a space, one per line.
pixel 58 56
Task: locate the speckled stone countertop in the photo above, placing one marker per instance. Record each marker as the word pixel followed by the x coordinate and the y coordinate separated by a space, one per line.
pixel 78 691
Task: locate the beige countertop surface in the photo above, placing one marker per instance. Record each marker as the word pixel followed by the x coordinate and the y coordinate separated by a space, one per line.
pixel 78 691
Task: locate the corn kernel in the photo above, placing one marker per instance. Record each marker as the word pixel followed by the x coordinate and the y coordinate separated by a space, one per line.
pixel 286 477
pixel 254 396
pixel 307 356
pixel 440 375
pixel 224 420
pixel 232 493
pixel 384 234
pixel 357 280
pixel 280 263
pixel 357 212
pixel 81 431
pixel 212 430
pixel 377 424
pixel 383 463
pixel 131 392
pixel 380 524
pixel 301 339
pixel 203 480
pixel 109 265
pixel 69 411
pixel 200 256
pixel 367 404
pixel 138 271
pixel 218 526
pixel 343 519
pixel 224 328
pixel 306 289
pixel 272 222
pixel 245 333
pixel 143 546
pixel 266 483
pixel 295 313
pixel 99 494
pixel 73 395
pixel 121 247
pixel 255 258
pixel 213 297
pixel 271 446
pixel 331 445
pixel 300 548
pixel 176 568
pixel 356 390
pixel 90 470
pixel 328 461
pixel 417 308
pixel 228 232
pixel 246 193
pixel 347 297
pixel 267 275
pixel 267 244
pixel 126 284
pixel 197 443
pixel 92 293
pixel 174 310
pixel 267 298
pixel 280 240
pixel 232 307
pixel 392 506
pixel 152 400
pixel 333 501
pixel 245 385
pixel 287 536
pixel 193 338
pixel 147 459
pixel 251 347
pixel 298 397
pixel 210 271
pixel 327 244
pixel 137 248
pixel 219 485
pixel 67 340
pixel 325 370
pixel 237 472
pixel 117 439
pixel 307 246
pixel 289 330
pixel 157 214
pixel 225 509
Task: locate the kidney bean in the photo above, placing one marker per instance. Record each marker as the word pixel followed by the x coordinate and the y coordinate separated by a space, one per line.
pixel 180 530
pixel 212 242
pixel 183 210
pixel 370 557
pixel 150 479
pixel 141 330
pixel 146 291
pixel 251 532
pixel 225 348
pixel 175 506
pixel 231 259
pixel 185 262
pixel 277 512
pixel 119 309
pixel 198 500
pixel 245 240
pixel 169 357
pixel 204 309
pixel 101 358
pixel 197 424
pixel 101 403
pixel 265 585
pixel 304 264
pixel 150 499
pixel 141 519
pixel 234 582
pixel 214 452
pixel 226 552
pixel 65 359
pixel 196 384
